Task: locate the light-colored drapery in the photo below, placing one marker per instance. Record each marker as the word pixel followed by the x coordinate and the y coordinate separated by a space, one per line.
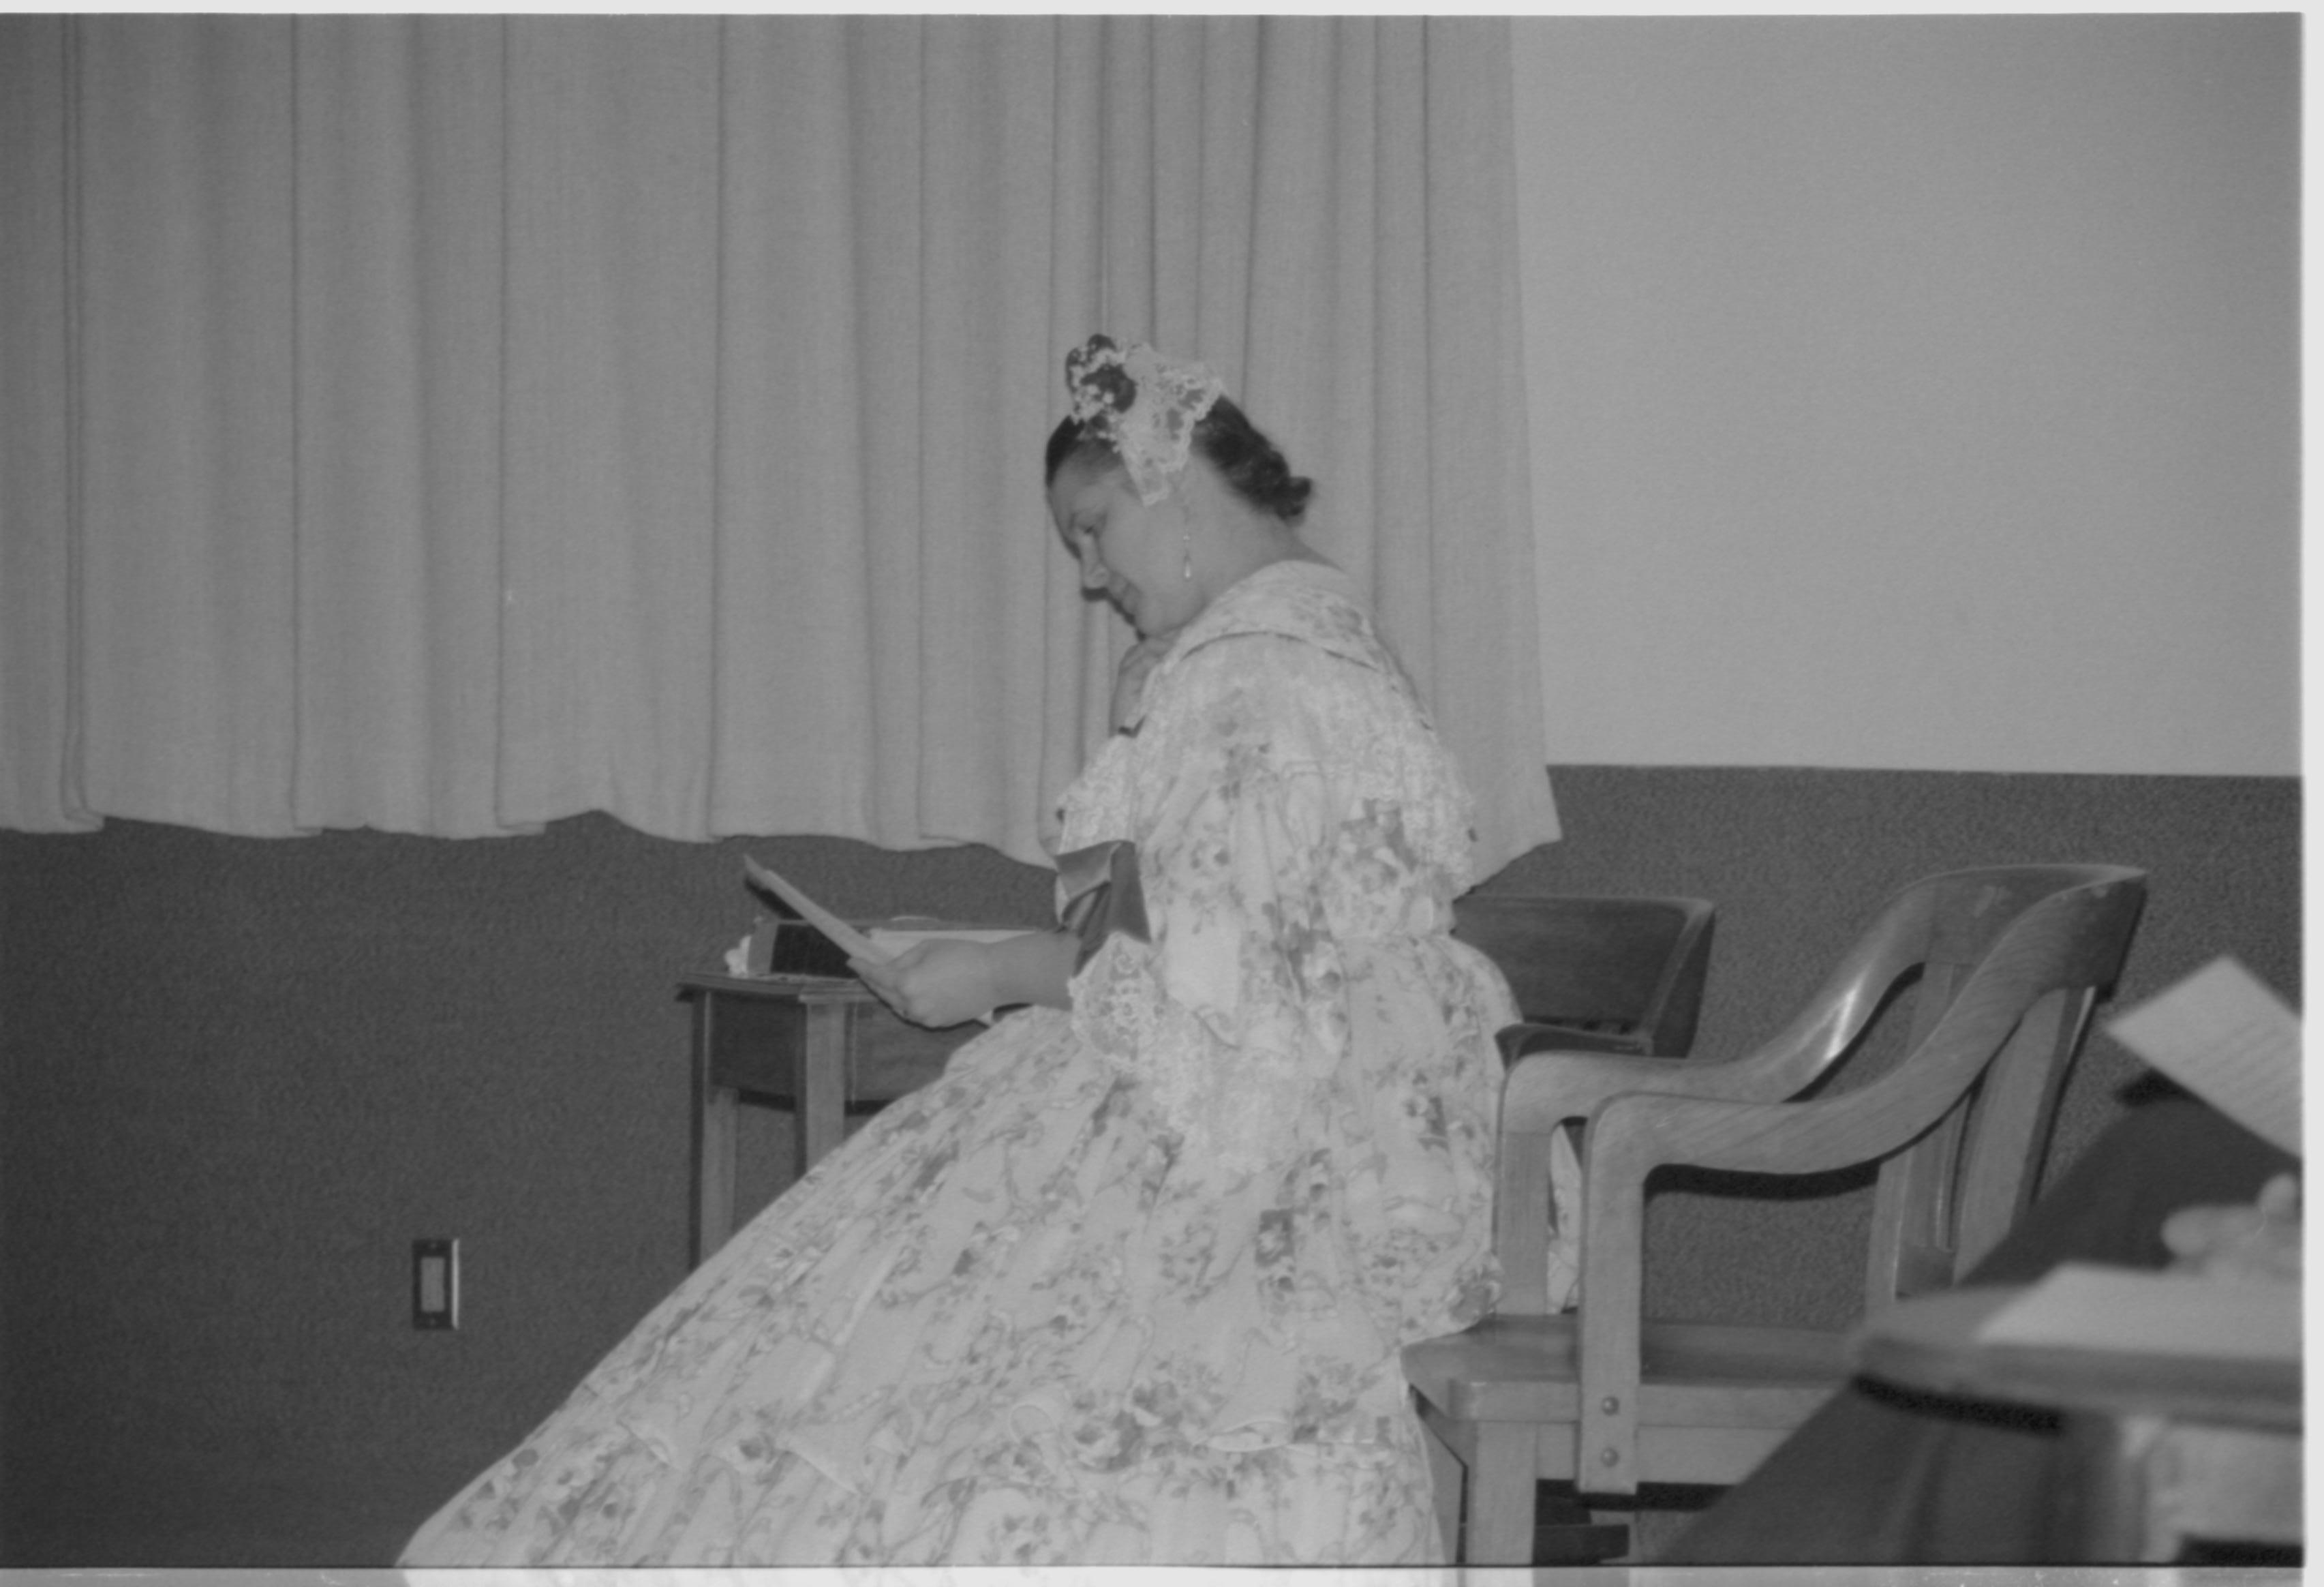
pixel 448 424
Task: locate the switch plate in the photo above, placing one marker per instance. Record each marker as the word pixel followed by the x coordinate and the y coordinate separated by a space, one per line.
pixel 436 1284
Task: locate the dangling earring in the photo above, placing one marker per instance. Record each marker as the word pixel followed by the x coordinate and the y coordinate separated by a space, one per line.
pixel 1187 567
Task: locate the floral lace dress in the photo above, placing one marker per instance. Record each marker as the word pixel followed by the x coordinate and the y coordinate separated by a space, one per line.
pixel 1127 1284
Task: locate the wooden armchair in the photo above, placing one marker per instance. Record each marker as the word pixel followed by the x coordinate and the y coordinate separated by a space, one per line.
pixel 2009 962
pixel 1595 974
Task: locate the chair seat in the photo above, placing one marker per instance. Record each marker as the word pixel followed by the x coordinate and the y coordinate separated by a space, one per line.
pixel 1517 1369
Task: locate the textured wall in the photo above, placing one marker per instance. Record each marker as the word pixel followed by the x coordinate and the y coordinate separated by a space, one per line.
pixel 237 1077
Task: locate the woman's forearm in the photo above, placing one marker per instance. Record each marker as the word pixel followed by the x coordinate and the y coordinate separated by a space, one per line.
pixel 1034 968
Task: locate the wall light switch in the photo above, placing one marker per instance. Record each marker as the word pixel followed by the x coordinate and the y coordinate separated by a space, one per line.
pixel 435 1282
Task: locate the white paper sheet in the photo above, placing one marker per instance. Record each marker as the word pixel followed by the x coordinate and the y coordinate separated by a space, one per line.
pixel 2085 1306
pixel 2224 1035
pixel 894 939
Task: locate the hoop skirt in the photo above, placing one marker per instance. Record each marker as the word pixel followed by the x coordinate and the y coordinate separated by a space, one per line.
pixel 1127 1284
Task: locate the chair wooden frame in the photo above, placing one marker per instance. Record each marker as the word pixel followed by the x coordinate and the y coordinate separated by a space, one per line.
pixel 2010 962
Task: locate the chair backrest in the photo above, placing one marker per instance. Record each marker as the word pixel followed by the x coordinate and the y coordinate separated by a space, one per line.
pixel 2009 961
pixel 1629 970
pixel 2015 960
pixel 1962 1182
pixel 2040 944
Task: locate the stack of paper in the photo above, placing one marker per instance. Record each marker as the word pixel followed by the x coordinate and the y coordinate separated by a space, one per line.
pixel 2224 1035
pixel 891 940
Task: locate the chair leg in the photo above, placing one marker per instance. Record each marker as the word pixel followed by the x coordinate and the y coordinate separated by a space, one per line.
pixel 1445 1474
pixel 1500 1496
pixel 1566 1532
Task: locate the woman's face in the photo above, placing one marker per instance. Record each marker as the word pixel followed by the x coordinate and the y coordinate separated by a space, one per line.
pixel 1135 553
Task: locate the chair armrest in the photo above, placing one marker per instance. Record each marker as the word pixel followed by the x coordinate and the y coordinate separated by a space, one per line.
pixel 1632 1133
pixel 1528 1037
pixel 1546 1089
pixel 1638 1131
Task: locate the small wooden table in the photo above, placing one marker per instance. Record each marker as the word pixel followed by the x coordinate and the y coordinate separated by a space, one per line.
pixel 2243 1417
pixel 813 1044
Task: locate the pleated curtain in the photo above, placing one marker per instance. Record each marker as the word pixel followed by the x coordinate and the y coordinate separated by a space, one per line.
pixel 448 424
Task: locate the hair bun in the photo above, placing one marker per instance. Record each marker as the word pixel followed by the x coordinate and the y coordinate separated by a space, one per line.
pixel 1250 464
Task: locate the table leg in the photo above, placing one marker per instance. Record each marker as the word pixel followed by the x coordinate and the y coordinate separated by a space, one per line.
pixel 822 1083
pixel 718 1222
pixel 714 1142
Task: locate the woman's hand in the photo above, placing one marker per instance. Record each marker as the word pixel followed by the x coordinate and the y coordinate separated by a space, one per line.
pixel 934 983
pixel 944 982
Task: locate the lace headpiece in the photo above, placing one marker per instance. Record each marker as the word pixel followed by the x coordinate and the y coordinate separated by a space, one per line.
pixel 1143 404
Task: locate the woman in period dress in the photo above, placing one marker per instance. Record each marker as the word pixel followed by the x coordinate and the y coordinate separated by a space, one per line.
pixel 1128 1283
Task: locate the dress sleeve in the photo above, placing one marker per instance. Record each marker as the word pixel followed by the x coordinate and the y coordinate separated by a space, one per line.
pixel 1233 1013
